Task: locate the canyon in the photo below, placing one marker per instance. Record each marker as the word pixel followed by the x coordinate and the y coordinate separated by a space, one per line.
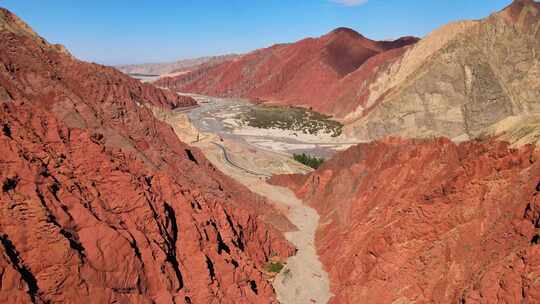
pixel 452 218
pixel 115 190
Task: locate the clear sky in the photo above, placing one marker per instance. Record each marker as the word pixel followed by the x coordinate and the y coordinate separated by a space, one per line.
pixel 137 31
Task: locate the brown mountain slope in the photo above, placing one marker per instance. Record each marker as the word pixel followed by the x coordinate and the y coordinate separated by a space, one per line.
pixel 457 81
pixel 101 203
pixel 301 73
pixel 428 222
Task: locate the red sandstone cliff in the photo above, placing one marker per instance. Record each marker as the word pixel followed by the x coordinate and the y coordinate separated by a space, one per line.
pixel 309 72
pixel 428 222
pixel 101 203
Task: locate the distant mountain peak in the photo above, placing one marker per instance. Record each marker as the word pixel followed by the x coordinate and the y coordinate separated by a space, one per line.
pixel 345 30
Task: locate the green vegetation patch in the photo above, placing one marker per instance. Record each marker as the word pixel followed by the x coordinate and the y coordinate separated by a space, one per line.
pixel 290 118
pixel 274 267
pixel 308 160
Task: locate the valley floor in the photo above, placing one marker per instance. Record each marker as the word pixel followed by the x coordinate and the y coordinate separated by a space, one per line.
pixel 303 279
pixel 220 117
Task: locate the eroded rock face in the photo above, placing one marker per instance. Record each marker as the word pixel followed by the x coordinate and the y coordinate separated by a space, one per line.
pixel 101 203
pixel 428 222
pixel 457 81
pixel 310 73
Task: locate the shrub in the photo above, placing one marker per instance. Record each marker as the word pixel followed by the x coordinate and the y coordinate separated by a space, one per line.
pixel 290 118
pixel 308 160
pixel 274 267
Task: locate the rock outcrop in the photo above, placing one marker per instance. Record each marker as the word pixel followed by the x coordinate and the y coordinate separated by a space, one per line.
pixel 458 81
pixel 101 203
pixel 428 221
pixel 309 73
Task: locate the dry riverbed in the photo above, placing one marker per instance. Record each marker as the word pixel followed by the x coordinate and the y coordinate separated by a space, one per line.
pixel 250 157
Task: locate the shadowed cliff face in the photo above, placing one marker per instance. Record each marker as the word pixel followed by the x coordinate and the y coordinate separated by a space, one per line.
pixel 305 73
pixel 429 221
pixel 101 203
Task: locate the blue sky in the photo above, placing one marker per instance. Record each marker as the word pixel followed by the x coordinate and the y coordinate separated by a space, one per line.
pixel 136 31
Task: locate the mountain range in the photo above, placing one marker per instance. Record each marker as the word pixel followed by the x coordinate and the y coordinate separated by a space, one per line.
pixel 165 68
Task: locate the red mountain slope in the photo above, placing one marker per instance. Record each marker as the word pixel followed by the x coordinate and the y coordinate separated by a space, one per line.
pixel 302 73
pixel 428 222
pixel 101 203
